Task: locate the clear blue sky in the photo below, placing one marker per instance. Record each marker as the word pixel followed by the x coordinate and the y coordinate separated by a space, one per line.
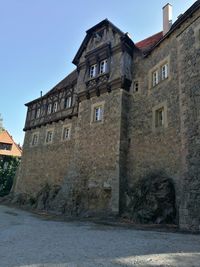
pixel 39 38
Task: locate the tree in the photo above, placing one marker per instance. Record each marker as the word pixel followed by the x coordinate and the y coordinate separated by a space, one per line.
pixel 8 168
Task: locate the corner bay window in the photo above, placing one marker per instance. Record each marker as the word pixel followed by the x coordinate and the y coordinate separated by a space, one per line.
pixel 93 71
pixel 103 66
pixel 99 68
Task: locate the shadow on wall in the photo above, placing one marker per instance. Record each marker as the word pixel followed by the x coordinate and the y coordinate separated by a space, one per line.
pixel 152 200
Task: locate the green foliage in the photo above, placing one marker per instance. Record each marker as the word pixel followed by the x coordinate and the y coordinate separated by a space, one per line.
pixel 8 168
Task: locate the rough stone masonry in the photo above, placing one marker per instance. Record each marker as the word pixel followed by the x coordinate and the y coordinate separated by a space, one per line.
pixel 129 112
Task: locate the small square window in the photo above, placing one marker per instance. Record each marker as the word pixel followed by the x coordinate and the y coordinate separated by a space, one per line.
pixel 35 138
pixel 103 67
pixel 160 117
pixel 66 133
pixel 93 71
pixel 155 78
pixel 68 102
pixel 49 108
pixel 164 72
pixel 49 137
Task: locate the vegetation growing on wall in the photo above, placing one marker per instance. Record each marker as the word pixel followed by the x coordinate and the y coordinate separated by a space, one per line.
pixel 8 168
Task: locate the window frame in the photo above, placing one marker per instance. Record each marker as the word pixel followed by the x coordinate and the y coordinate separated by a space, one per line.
pixel 93 71
pixel 156 125
pixel 63 137
pixel 105 66
pixel 49 108
pixel 66 106
pixel 33 141
pixel 97 106
pixel 47 141
pixel 55 107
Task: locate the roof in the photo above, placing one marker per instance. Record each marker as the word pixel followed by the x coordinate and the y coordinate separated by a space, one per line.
pixel 149 42
pixel 89 32
pixel 69 80
pixel 177 23
pixel 6 138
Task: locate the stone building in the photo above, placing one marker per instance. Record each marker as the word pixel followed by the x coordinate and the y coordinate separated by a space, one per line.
pixel 129 109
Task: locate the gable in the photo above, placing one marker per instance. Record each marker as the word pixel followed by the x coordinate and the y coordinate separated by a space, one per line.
pixel 104 33
pixel 8 146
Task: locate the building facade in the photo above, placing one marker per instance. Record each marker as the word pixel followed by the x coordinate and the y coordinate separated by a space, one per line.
pixel 126 111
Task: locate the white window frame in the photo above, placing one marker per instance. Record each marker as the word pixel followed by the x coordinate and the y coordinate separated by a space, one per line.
pixel 49 136
pixel 55 107
pixel 68 102
pixel 164 71
pixel 103 66
pixel 68 128
pixel 97 112
pixel 155 77
pixel 93 71
pixel 49 108
pixel 38 112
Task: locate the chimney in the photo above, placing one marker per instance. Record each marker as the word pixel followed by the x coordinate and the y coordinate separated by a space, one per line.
pixel 167 18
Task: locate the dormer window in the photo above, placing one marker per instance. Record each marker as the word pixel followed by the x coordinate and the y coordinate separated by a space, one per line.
pixel 93 71
pixel 103 67
pixel 49 108
pixel 55 106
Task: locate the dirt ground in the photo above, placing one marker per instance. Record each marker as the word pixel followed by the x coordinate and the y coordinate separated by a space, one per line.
pixel 35 241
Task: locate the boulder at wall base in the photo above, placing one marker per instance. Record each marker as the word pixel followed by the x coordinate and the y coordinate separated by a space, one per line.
pixel 152 200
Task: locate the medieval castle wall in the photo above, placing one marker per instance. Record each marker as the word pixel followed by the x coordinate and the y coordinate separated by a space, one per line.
pixel 149 127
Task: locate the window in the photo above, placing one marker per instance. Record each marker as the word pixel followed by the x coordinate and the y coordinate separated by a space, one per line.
pixel 155 78
pixel 38 111
pixel 135 86
pixel 160 73
pixel 5 146
pixel 66 132
pixel 164 72
pixel 160 117
pixel 35 138
pixel 55 106
pixel 93 71
pixel 68 102
pixel 49 108
pixel 49 137
pixel 103 66
pixel 98 113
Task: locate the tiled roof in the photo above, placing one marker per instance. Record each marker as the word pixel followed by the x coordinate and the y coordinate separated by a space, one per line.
pixel 7 139
pixel 149 42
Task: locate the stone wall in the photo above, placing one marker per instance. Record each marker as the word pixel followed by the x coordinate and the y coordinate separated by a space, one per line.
pixel 189 80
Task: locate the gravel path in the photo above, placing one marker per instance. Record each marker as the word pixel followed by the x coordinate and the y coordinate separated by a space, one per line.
pixel 31 241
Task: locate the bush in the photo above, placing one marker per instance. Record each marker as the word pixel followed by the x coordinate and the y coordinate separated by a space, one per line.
pixel 8 168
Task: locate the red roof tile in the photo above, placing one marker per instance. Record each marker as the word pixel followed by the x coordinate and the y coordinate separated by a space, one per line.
pixel 6 138
pixel 149 42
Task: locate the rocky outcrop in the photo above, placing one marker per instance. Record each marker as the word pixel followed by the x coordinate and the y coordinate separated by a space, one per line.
pixel 152 200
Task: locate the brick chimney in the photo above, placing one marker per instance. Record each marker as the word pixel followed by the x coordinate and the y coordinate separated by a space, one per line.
pixel 167 18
